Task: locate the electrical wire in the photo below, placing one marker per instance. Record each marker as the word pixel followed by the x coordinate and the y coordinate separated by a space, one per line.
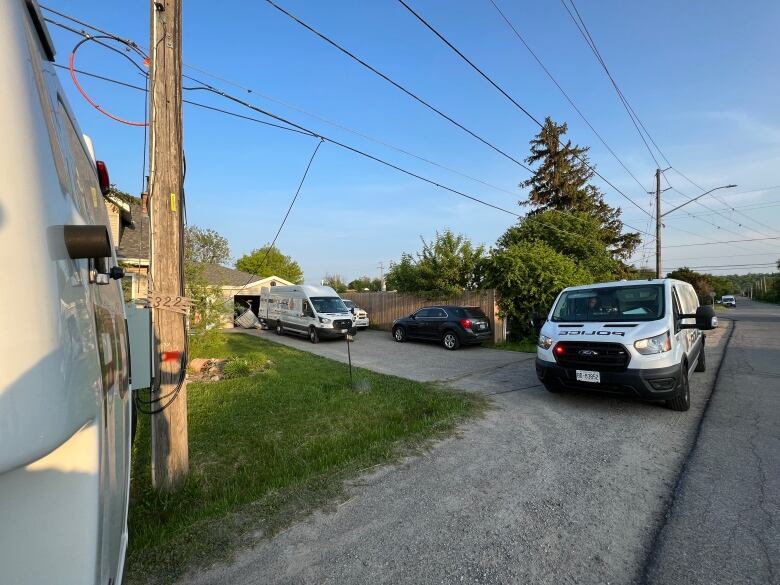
pixel 583 29
pixel 308 132
pixel 284 219
pixel 84 94
pixel 511 99
pixel 566 95
pixel 724 242
pixel 408 92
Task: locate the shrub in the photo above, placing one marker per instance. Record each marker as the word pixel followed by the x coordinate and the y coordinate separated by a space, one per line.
pixel 237 368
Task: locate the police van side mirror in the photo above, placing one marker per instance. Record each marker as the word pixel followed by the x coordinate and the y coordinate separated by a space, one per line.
pixel 705 319
pixel 91 242
pixel 538 321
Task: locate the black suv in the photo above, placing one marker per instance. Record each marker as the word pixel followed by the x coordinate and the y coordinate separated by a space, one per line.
pixel 450 325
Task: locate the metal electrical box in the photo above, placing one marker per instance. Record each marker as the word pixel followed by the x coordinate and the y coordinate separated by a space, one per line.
pixel 139 332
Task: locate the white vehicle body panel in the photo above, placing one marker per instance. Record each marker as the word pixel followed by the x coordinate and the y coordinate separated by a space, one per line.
pixel 292 307
pixel 64 385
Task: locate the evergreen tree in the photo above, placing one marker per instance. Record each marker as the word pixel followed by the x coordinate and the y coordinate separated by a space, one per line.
pixel 562 181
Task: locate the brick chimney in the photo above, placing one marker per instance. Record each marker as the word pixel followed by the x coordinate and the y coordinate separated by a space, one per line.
pixel 144 203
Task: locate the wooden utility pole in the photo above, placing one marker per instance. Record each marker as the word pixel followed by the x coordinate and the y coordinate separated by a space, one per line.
pixel 170 451
pixel 658 223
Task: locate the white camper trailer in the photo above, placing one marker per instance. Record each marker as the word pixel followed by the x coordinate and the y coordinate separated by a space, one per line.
pixel 313 311
pixel 65 404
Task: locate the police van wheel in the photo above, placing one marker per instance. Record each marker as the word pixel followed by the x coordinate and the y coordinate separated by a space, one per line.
pixel 314 337
pixel 701 362
pixel 682 401
pixel 279 328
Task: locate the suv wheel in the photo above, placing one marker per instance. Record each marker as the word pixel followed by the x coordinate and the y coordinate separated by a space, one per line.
pixel 450 340
pixel 682 401
pixel 279 328
pixel 399 334
pixel 314 337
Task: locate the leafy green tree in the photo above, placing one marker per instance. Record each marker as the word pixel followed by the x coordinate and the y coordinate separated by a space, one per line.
pixel 575 234
pixel 336 282
pixel 528 276
pixel 263 262
pixel 700 282
pixel 447 266
pixel 562 181
pixel 366 282
pixel 208 309
pixel 205 246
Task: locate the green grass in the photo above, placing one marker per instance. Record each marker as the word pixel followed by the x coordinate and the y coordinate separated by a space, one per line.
pixel 268 448
pixel 524 345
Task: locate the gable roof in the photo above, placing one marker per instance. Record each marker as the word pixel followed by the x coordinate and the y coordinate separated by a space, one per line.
pixel 230 277
pixel 134 241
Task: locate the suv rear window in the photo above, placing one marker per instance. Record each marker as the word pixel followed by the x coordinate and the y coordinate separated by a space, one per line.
pixel 469 313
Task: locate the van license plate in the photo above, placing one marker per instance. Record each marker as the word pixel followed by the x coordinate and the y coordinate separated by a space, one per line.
pixel 588 376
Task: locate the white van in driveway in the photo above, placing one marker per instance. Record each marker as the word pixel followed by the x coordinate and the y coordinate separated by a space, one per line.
pixel 313 311
pixel 65 402
pixel 639 338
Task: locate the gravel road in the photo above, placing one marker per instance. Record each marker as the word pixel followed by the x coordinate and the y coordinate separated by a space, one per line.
pixel 568 488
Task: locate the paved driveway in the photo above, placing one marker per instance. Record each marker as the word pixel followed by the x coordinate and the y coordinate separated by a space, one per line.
pixel 417 360
pixel 569 488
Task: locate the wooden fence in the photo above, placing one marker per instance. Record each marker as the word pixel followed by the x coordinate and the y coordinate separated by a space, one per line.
pixel 385 307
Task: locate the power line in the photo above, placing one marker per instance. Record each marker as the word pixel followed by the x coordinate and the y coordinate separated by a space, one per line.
pixel 284 220
pixel 302 130
pixel 566 95
pixel 580 24
pixel 398 85
pixel 723 256
pixel 190 102
pixel 298 109
pixel 724 242
pixel 509 97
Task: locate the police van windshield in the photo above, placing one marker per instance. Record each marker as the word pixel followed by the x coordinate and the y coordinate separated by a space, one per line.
pixel 611 304
pixel 329 305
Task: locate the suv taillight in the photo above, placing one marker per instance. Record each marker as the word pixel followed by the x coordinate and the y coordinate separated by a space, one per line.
pixel 465 323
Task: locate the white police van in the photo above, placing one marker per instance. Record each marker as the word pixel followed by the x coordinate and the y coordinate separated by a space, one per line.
pixel 312 311
pixel 639 338
pixel 65 401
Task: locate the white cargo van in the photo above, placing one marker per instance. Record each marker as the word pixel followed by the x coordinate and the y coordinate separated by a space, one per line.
pixel 312 311
pixel 639 338
pixel 65 400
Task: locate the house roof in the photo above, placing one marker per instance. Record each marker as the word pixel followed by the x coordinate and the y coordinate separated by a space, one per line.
pixel 134 242
pixel 224 276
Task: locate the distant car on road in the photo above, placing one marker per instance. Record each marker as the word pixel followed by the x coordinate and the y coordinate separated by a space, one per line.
pixel 450 325
pixel 729 301
pixel 361 317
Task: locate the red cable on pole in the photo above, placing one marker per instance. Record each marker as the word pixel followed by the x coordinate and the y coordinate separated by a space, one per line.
pixel 71 67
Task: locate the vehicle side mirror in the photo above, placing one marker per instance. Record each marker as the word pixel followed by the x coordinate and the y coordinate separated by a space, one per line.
pixel 91 242
pixel 413 316
pixel 705 319
pixel 538 321
pixel 352 310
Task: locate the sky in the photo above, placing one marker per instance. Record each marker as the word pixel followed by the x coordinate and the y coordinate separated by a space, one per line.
pixel 702 76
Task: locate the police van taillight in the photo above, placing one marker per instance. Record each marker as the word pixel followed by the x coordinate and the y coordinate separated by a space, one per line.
pixel 102 173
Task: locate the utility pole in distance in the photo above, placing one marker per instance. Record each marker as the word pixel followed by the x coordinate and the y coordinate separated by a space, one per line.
pixel 170 449
pixel 658 223
pixel 659 216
